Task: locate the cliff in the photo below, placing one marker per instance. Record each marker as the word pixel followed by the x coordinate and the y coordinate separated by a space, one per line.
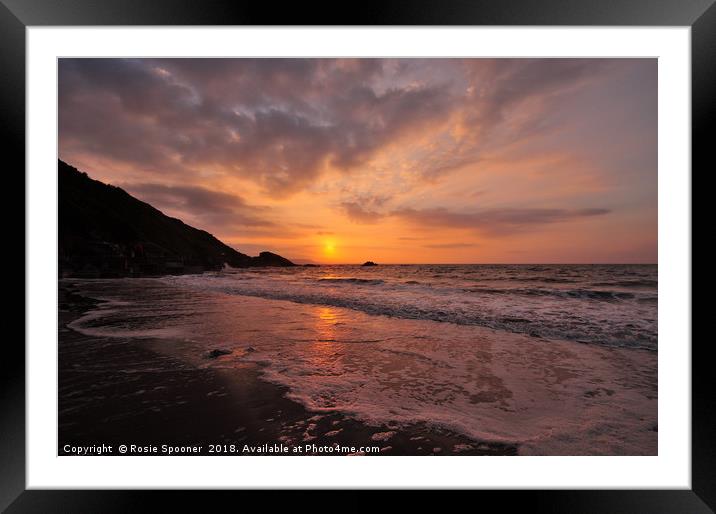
pixel 105 231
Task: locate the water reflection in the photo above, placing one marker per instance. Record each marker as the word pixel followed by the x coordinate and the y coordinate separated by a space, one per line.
pixel 323 351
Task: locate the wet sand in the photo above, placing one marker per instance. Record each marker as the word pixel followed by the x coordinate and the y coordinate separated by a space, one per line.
pixel 118 391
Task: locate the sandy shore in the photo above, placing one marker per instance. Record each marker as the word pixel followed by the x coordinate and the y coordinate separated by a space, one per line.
pixel 118 391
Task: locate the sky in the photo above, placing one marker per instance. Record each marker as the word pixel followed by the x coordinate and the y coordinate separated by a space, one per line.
pixel 390 160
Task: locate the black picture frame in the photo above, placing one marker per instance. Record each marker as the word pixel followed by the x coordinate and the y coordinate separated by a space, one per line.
pixel 16 15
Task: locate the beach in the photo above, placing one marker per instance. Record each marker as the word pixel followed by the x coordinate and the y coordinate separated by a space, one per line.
pixel 201 361
pixel 118 392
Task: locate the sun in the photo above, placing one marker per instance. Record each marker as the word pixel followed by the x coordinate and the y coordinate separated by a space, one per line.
pixel 329 248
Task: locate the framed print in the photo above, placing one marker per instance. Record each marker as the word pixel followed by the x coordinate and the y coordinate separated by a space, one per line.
pixel 436 248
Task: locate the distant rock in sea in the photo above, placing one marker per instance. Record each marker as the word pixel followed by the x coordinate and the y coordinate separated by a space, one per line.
pixel 270 259
pixel 106 232
pixel 369 263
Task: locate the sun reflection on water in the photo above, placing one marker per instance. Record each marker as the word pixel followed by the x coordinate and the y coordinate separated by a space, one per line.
pixel 323 350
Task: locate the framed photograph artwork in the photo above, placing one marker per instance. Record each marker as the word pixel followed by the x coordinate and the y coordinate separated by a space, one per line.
pixel 444 246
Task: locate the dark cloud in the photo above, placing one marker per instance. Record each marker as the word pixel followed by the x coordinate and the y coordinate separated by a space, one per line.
pixel 190 198
pixel 493 221
pixel 282 122
pixel 359 214
pixel 365 209
pixel 277 121
pixel 215 208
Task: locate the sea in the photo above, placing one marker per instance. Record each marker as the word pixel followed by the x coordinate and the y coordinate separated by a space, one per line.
pixel 558 359
pixel 613 305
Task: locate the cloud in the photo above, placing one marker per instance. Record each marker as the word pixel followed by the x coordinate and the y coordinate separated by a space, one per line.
pixel 280 122
pixel 506 102
pixel 359 214
pixel 284 122
pixel 365 209
pixel 493 221
pixel 214 208
pixel 451 245
pixel 503 84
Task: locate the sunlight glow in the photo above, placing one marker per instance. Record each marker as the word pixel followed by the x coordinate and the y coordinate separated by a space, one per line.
pixel 329 248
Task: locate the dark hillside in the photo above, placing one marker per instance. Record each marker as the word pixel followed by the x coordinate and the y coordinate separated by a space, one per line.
pixel 104 231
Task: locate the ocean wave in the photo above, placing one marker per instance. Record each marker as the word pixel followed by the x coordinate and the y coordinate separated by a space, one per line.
pixel 568 326
pixel 352 280
pixel 586 294
pixel 546 280
pixel 627 283
pixel 536 300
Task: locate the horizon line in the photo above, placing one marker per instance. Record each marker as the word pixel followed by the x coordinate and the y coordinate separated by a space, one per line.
pixel 487 263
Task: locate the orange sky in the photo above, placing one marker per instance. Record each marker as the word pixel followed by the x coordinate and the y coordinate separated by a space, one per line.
pixel 396 161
